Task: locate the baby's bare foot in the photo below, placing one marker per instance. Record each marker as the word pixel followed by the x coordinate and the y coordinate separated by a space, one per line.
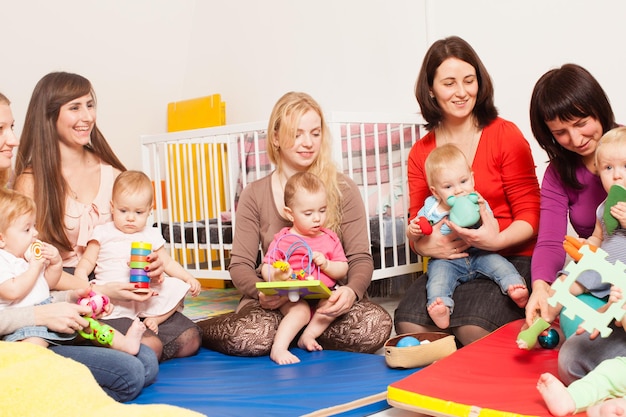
pixel 308 342
pixel 152 324
pixel 283 356
pixel 557 399
pixel 131 341
pixel 440 313
pixel 519 294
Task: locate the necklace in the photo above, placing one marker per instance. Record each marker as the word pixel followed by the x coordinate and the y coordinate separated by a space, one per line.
pixel 72 192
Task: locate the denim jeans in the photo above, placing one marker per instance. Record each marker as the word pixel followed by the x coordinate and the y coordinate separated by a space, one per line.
pixel 121 376
pixel 444 275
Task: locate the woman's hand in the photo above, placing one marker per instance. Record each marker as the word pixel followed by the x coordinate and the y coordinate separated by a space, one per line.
pixel 123 291
pixel 62 317
pixel 155 268
pixel 486 237
pixel 340 302
pixel 538 306
pixel 272 302
pixel 441 246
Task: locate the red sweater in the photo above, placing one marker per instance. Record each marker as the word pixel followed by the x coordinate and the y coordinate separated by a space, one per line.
pixel 504 172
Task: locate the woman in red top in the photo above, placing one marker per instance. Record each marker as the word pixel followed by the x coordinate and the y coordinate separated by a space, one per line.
pixel 455 95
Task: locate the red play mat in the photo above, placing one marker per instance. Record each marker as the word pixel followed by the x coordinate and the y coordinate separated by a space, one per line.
pixel 491 377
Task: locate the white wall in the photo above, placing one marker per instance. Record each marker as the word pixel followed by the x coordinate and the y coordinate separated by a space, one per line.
pixel 352 55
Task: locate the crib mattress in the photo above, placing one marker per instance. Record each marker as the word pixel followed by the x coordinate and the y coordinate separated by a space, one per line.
pixel 491 377
pixel 323 383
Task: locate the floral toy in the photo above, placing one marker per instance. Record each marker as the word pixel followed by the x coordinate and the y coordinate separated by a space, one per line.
pixel 97 302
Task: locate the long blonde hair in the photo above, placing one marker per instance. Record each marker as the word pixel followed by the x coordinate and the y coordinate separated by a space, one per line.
pixel 283 125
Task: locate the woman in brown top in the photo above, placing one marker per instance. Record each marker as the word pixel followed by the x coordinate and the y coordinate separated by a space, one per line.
pixel 298 140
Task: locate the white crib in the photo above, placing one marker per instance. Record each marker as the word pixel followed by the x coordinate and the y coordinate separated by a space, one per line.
pixel 198 175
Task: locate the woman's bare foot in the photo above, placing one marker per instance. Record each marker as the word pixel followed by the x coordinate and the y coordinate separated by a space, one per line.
pixel 519 294
pixel 440 313
pixel 283 356
pixel 131 341
pixel 308 342
pixel 554 393
pixel 615 407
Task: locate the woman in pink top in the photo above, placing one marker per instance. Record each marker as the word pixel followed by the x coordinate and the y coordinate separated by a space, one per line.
pixel 66 165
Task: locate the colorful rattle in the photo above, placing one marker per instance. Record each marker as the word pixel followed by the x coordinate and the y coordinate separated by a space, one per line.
pixel 280 261
pixel 97 302
pixel 139 252
pixel 101 333
pixel 34 250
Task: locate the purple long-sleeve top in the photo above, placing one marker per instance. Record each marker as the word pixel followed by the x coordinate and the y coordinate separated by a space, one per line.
pixel 559 201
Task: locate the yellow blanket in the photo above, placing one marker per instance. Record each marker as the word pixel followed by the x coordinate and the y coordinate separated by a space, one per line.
pixel 35 381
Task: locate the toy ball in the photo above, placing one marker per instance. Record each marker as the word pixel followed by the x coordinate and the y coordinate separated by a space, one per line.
pixel 408 341
pixel 549 341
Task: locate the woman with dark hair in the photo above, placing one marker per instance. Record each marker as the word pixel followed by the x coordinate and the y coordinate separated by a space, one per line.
pixel 569 113
pixel 66 165
pixel 455 94
pixel 120 375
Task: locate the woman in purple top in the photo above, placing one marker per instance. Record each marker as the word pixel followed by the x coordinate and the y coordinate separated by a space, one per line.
pixel 569 113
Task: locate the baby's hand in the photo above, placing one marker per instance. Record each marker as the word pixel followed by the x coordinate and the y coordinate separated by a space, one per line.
pixel 151 324
pixel 51 254
pixel 195 286
pixel 319 259
pixel 419 227
pixel 619 212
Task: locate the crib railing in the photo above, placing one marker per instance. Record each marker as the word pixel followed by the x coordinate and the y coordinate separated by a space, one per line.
pixel 198 175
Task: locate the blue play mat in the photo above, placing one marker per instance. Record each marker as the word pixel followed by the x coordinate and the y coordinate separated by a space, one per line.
pixel 219 385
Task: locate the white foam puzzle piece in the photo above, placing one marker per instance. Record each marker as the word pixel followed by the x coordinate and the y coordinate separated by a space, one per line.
pixel 611 273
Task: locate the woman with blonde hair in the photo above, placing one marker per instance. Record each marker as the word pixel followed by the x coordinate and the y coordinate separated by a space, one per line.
pixel 298 140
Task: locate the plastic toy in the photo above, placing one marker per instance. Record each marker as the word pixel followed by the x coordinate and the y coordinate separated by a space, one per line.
pixel 464 210
pixel 34 250
pixel 97 302
pixel 550 340
pixel 588 258
pixel 616 194
pixel 101 333
pixel 139 252
pixel 407 341
pixel 527 339
pixel 425 225
pixel 302 284
pixel 572 246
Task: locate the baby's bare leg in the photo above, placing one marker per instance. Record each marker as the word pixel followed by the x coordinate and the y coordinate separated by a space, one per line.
pixel 519 294
pixel 319 323
pixel 554 393
pixel 131 341
pixel 615 407
pixel 440 313
pixel 36 341
pixel 295 316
